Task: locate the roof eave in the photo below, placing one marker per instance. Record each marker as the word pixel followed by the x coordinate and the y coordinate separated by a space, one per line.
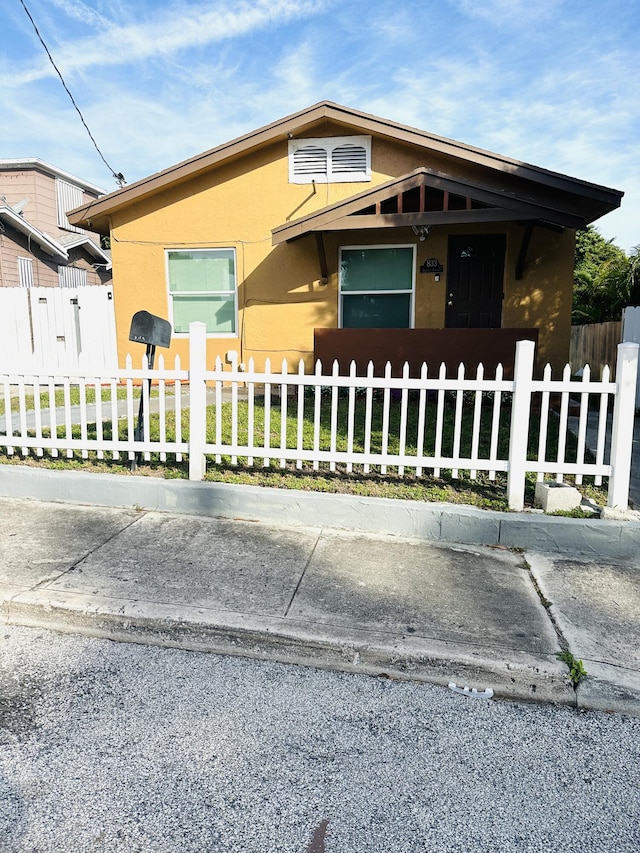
pixel 46 243
pixel 93 215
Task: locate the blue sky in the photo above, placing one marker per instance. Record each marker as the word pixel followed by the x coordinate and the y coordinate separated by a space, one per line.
pixel 551 82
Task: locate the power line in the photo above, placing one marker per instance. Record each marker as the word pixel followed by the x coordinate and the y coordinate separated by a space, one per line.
pixel 117 175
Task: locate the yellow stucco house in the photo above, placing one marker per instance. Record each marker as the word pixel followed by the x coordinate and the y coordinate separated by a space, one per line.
pixel 331 218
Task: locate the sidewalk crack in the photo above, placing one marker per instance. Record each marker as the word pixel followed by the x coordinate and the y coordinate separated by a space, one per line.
pixel 304 571
pixel 46 581
pixel 562 640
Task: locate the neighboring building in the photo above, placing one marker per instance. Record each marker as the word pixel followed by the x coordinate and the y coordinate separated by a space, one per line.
pixel 332 218
pixel 38 245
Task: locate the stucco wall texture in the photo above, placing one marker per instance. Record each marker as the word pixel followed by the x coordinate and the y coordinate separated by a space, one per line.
pixel 281 296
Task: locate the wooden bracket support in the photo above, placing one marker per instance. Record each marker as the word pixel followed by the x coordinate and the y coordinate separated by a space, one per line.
pixel 322 256
pixel 524 248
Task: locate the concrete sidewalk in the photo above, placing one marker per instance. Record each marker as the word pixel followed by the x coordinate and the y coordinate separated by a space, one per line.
pixel 386 605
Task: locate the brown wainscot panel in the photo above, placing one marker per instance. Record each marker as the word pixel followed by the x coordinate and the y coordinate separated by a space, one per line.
pixel 415 346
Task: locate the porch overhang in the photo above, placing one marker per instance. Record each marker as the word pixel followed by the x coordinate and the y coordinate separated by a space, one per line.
pixel 435 199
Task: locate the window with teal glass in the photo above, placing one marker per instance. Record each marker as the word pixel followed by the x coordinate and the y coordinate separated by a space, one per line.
pixel 376 287
pixel 202 287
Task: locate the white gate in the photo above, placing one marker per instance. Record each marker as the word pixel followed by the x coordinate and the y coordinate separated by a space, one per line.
pixel 631 332
pixel 46 329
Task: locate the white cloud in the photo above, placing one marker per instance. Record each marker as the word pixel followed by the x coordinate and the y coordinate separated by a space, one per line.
pixel 509 13
pixel 167 32
pixel 79 11
pixel 550 83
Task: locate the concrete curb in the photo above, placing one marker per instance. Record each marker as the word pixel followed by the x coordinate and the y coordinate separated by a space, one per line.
pixel 611 539
pixel 512 675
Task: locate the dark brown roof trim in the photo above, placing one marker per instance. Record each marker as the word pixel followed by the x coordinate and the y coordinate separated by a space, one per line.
pixel 302 122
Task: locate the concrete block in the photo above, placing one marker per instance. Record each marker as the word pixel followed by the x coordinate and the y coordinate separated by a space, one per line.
pixel 557 497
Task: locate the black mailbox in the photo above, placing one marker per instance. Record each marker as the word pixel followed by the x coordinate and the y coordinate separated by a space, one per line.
pixel 151 330
pixel 154 332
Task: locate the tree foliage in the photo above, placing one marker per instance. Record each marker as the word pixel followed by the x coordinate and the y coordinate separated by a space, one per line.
pixel 605 279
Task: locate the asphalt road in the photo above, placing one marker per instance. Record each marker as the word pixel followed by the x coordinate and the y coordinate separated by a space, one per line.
pixel 115 747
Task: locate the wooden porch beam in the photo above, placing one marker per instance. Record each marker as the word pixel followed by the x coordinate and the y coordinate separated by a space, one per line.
pixel 322 256
pixel 433 217
pixel 524 248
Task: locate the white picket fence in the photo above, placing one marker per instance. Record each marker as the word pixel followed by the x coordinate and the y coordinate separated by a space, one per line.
pixel 57 329
pixel 281 429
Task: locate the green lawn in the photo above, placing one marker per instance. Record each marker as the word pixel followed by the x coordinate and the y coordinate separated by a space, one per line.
pixel 74 397
pixel 481 492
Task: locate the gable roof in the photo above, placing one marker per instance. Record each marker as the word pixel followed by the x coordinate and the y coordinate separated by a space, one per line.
pixel 75 241
pixel 593 200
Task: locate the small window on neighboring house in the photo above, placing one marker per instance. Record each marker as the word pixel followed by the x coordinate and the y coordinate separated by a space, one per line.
pixel 72 277
pixel 330 160
pixel 25 272
pixel 68 196
pixel 202 287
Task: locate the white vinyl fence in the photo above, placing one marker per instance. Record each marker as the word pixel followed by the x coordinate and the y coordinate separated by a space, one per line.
pixel 57 329
pixel 324 421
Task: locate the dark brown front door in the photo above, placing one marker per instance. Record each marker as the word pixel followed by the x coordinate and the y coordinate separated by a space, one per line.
pixel 475 280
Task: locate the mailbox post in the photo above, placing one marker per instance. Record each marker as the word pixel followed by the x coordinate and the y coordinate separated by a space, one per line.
pixel 153 331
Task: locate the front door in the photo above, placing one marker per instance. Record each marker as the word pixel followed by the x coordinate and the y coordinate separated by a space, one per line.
pixel 475 281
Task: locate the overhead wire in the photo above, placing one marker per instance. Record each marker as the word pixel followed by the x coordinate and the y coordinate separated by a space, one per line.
pixel 119 177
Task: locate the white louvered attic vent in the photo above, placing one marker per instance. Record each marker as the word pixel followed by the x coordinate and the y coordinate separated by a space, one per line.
pixel 330 160
pixel 310 160
pixel 348 159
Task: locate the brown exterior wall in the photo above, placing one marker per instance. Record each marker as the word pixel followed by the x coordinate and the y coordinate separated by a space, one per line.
pixel 434 347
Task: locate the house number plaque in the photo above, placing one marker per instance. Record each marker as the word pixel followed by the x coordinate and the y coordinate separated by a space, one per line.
pixel 432 265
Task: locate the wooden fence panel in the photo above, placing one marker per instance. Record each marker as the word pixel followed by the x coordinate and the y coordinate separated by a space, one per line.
pixel 596 345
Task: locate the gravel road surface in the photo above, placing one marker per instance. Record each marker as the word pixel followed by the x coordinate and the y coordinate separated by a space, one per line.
pixel 115 747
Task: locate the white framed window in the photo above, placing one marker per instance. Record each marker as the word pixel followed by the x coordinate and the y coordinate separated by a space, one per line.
pixel 330 159
pixel 25 272
pixel 68 196
pixel 72 277
pixel 377 286
pixel 202 287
